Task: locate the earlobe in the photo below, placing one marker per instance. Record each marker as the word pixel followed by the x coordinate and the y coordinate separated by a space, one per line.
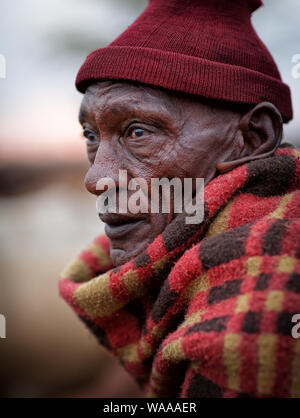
pixel 260 132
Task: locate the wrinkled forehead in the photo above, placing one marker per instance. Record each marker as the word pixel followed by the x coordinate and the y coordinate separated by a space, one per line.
pixel 120 95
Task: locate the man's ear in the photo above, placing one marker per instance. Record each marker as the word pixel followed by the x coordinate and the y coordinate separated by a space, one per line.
pixel 258 136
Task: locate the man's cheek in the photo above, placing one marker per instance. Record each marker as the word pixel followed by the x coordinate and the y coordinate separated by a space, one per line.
pixel 150 149
pixel 148 155
pixel 159 221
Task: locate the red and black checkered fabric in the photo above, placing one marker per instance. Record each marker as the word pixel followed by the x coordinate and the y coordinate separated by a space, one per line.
pixel 206 310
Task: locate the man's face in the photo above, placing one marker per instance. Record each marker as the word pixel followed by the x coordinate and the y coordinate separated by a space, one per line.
pixel 151 134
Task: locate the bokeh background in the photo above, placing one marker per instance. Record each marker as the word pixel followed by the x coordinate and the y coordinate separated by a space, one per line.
pixel 46 215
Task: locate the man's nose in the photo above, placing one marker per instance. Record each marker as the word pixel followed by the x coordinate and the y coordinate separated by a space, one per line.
pixel 106 164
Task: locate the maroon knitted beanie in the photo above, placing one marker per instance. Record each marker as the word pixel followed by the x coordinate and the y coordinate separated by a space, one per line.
pixel 207 48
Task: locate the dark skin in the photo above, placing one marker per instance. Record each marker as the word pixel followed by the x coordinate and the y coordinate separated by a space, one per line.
pixel 153 133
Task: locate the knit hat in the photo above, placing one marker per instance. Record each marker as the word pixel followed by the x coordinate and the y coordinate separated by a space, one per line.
pixel 208 48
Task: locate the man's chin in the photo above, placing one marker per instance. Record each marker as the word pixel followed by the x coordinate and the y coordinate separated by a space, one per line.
pixel 128 244
pixel 125 248
pixel 120 256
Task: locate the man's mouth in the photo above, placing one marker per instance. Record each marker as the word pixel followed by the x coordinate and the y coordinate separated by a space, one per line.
pixel 117 226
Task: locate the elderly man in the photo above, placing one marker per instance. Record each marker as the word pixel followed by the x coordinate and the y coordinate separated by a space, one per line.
pixel 205 309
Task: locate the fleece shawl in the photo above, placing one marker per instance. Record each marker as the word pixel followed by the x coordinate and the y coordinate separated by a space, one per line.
pixel 206 310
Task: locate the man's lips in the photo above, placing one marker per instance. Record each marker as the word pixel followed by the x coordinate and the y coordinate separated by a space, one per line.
pixel 119 225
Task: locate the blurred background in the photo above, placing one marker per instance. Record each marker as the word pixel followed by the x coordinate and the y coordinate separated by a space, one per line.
pixel 46 215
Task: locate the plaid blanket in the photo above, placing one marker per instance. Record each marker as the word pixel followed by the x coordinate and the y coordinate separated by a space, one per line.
pixel 206 310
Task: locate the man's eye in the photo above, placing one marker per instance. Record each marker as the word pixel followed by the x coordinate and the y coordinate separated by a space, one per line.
pixel 136 132
pixel 90 136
